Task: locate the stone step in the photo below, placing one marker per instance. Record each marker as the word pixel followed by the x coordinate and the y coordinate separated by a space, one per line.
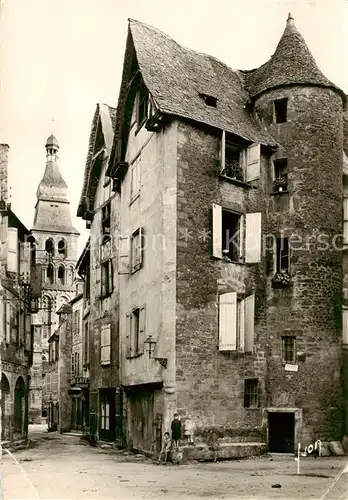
pixel 226 451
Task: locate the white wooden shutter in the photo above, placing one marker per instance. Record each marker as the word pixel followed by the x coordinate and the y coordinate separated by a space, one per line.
pixel 222 151
pixel 128 336
pixel 345 208
pixel 249 319
pixel 253 166
pixel 228 321
pixel 24 261
pixel 217 231
pixel 345 326
pixel 140 247
pixel 253 237
pixel 142 327
pixel 12 249
pixel 241 325
pixel 123 255
pixel 107 344
pixel 241 236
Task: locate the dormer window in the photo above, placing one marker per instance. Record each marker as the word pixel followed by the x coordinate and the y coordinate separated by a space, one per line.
pixel 142 104
pixel 280 110
pixel 209 100
pixel 106 218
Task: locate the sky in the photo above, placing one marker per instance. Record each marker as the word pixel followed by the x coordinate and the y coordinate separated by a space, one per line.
pixel 58 58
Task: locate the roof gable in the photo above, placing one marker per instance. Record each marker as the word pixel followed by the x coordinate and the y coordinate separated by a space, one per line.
pixel 101 137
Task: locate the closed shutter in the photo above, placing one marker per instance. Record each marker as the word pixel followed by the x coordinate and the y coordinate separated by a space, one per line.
pixel 249 312
pixel 98 281
pixel 128 336
pixel 253 238
pixel 140 249
pixel 12 249
pixel 228 321
pixel 124 255
pixel 217 231
pixel 105 344
pixel 241 236
pixel 253 162
pixel 142 327
pixel 241 325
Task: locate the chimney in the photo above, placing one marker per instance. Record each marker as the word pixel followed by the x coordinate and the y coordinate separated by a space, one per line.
pixel 4 150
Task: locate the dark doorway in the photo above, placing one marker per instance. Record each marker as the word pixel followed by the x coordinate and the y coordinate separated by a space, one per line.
pixel 19 405
pixel 107 414
pixel 281 432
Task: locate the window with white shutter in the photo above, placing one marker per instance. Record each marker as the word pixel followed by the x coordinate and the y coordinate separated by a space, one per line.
pixel 217 231
pixel 253 237
pixel 228 234
pixel 253 166
pixel 249 318
pixel 124 255
pixel 105 345
pixel 12 249
pixel 136 250
pixel 128 336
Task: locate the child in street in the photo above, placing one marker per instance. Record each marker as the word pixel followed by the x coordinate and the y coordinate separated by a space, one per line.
pixel 176 431
pixel 166 447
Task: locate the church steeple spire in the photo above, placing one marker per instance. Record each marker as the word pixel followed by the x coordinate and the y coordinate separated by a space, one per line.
pixel 52 186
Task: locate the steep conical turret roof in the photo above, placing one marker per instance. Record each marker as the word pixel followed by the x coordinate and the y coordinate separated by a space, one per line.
pixel 292 63
pixel 52 185
pixel 52 142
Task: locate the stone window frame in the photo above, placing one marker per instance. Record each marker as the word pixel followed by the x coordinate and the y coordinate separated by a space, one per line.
pixel 252 393
pixel 288 349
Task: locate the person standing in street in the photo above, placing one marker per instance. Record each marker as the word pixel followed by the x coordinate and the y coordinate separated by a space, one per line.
pixel 176 431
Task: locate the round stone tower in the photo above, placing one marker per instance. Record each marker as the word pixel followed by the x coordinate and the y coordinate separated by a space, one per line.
pixel 303 111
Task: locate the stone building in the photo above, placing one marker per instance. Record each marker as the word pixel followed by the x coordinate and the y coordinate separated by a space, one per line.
pixel 97 265
pixel 16 339
pixel 56 256
pixel 227 286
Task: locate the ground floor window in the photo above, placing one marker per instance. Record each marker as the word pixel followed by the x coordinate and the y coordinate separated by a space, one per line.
pixel 105 416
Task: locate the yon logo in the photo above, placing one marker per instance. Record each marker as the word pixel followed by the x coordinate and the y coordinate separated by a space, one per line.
pixel 309 449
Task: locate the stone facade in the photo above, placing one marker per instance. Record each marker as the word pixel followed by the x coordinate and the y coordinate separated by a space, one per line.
pixel 15 316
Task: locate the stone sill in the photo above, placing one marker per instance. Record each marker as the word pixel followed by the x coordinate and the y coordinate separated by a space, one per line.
pixel 275 193
pixel 236 182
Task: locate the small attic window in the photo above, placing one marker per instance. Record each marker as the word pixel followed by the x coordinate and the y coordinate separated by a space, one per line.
pixel 142 104
pixel 209 100
pixel 281 110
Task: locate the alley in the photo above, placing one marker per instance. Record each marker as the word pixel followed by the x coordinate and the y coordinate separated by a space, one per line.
pixel 65 467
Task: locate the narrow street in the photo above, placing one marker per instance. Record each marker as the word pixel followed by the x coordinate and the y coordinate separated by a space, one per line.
pixel 66 467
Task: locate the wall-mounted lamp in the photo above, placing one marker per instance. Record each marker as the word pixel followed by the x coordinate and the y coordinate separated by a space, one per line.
pixel 150 348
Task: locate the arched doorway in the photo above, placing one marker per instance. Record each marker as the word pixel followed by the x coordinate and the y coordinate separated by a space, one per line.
pixel 5 408
pixel 19 405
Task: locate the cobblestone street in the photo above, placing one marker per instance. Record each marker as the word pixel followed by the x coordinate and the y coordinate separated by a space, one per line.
pixel 65 467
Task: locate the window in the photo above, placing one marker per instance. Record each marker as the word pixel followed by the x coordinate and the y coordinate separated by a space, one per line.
pixel 105 415
pixel 106 209
pixel 61 274
pixel 229 235
pixel 280 110
pixel 231 243
pixel 62 247
pixel 239 162
pixel 49 246
pixel 50 274
pixel 236 323
pixel 106 278
pixel 209 100
pixel 251 393
pixel 280 174
pixel 288 349
pixel 76 363
pixel 136 250
pixel 86 346
pixel 72 365
pixel 136 331
pixel 283 255
pixel 76 323
pixel 135 178
pixel 105 345
pixel 142 104
pixel 233 162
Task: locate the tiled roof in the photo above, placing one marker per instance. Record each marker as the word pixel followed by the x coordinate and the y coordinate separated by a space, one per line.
pixel 176 76
pixel 292 63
